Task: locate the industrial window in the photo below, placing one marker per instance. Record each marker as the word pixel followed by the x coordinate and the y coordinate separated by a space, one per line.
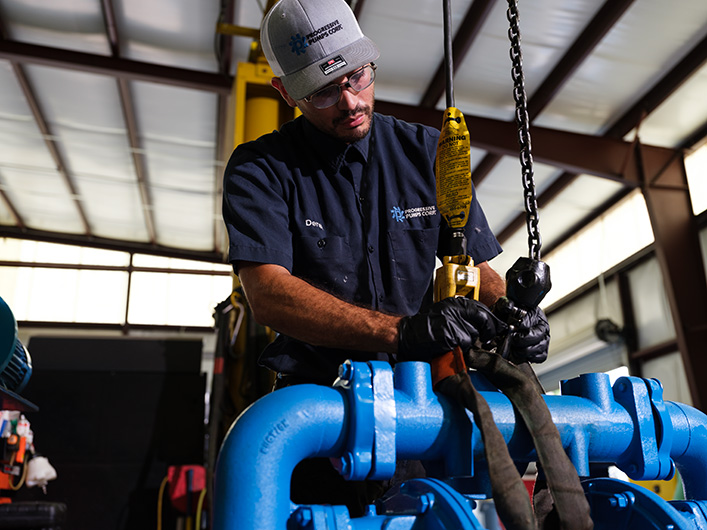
pixel 176 299
pixel 696 168
pixel 618 234
pixel 49 282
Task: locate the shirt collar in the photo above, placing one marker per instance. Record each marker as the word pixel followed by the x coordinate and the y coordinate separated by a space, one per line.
pixel 332 151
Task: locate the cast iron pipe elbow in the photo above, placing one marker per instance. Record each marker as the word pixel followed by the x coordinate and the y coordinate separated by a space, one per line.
pixel 276 433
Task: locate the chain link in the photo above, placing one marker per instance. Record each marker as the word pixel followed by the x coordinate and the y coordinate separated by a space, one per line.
pixel 523 122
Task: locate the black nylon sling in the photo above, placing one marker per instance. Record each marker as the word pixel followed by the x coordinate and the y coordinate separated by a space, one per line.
pixel 570 503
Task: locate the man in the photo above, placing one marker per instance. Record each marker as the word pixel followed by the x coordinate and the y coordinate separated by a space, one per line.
pixel 332 219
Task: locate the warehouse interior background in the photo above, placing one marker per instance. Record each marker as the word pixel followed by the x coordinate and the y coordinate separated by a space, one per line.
pixel 117 118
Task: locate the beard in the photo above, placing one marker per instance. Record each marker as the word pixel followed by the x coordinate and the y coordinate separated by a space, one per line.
pixel 359 132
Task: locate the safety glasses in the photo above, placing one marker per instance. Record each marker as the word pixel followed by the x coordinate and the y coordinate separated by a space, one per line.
pixel 330 94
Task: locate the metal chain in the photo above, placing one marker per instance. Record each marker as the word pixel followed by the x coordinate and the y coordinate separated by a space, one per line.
pixel 523 122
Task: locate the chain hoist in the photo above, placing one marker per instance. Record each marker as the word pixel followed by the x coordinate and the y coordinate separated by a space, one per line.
pixel 528 280
pixel 523 122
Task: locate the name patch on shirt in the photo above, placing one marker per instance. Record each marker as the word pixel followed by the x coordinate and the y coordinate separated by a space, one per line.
pixel 309 222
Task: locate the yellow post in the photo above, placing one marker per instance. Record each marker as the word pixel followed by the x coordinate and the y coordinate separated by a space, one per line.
pixel 257 107
pixel 261 117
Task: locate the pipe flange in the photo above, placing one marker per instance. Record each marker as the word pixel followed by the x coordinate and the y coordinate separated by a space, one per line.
pixel 370 399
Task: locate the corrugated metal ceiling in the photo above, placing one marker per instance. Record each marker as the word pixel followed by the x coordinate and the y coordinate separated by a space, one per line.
pixel 112 111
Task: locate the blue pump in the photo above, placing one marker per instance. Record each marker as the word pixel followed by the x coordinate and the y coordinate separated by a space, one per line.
pixel 15 361
pixel 373 416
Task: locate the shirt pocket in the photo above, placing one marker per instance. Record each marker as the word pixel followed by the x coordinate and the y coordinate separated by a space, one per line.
pixel 413 260
pixel 326 262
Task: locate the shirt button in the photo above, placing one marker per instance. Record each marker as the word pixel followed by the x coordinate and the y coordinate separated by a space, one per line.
pixel 321 243
pixel 370 249
pixel 380 297
pixel 361 199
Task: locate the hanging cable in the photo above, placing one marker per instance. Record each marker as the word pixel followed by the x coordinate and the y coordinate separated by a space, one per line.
pixel 160 496
pixel 448 64
pixel 23 476
pixel 199 508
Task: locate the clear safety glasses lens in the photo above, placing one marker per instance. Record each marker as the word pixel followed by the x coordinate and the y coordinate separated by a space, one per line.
pixel 330 95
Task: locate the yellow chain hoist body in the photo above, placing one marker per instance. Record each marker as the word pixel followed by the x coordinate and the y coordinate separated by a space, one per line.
pixel 457 276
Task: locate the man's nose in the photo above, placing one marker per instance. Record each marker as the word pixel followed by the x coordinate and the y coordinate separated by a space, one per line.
pixel 349 98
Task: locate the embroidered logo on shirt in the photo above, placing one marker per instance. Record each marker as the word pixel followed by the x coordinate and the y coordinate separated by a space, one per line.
pixel 398 214
pixel 401 215
pixel 309 222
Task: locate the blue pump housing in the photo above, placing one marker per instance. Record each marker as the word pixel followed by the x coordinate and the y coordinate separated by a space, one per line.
pixel 15 361
pixel 372 416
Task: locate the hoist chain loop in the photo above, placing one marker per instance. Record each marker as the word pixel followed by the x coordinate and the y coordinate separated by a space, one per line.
pixel 523 122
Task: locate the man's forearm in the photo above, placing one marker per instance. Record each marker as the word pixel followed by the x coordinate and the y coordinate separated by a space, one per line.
pixel 291 306
pixel 493 286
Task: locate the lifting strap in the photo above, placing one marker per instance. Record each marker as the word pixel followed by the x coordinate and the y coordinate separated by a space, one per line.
pixel 567 509
pixel 570 502
pixel 509 493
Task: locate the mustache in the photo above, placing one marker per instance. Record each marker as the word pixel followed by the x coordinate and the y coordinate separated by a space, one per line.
pixel 365 109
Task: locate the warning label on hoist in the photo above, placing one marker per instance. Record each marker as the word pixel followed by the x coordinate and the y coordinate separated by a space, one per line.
pixel 453 169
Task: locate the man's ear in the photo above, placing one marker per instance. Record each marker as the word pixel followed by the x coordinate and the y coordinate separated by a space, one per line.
pixel 276 82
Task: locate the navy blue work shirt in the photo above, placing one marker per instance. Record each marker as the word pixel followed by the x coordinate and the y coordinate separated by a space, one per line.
pixel 356 220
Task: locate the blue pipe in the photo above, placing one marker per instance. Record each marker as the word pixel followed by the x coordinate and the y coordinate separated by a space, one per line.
pixel 262 448
pixel 370 418
pixel 689 448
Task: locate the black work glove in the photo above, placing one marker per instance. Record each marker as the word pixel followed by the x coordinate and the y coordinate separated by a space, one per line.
pixel 529 340
pixel 455 321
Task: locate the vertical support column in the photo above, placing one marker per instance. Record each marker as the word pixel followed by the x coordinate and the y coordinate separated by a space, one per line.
pixel 257 107
pixel 677 247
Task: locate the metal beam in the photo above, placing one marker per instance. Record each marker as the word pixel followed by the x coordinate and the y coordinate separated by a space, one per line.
pixel 136 149
pixel 110 244
pixel 677 246
pixel 19 221
pixel 225 55
pixel 663 89
pixel 484 168
pixel 579 153
pixel 670 82
pixel 557 186
pixel 44 128
pixel 464 38
pixel 111 27
pixel 629 330
pixel 220 155
pixel 592 35
pixel 696 139
pixel 126 103
pixel 125 329
pixel 111 268
pixel 114 67
pixel 652 352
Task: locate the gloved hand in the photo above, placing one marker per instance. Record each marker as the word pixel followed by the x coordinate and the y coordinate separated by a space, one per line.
pixel 455 321
pixel 530 339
